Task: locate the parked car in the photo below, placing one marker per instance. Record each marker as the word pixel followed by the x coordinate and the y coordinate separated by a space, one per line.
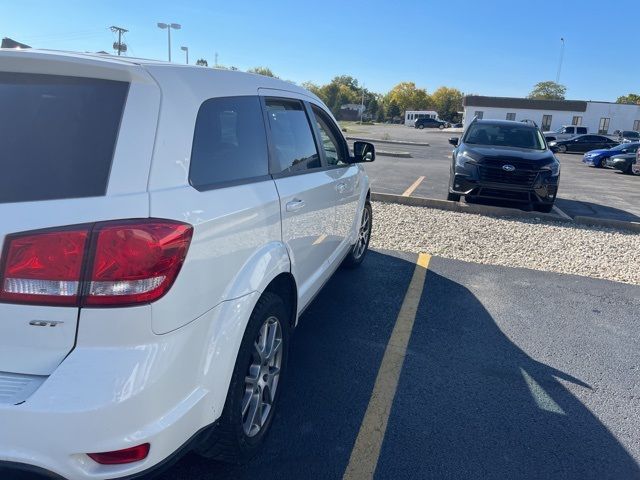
pixel 164 226
pixel 565 132
pixel 598 158
pixel 635 168
pixel 582 143
pixel 501 159
pixel 628 136
pixel 430 123
pixel 623 162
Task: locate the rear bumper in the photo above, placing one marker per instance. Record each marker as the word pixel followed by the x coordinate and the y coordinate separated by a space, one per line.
pixel 161 391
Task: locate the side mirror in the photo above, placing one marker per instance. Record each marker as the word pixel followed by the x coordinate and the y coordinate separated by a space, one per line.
pixel 454 141
pixel 363 152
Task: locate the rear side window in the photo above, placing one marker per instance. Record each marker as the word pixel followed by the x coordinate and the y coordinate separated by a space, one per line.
pixel 229 142
pixel 293 143
pixel 582 130
pixel 58 135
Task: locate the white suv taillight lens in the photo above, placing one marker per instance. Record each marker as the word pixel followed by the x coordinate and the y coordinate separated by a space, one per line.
pixel 107 264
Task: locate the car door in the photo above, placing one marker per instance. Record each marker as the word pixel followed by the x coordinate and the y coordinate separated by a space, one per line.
pixel 306 189
pixel 581 144
pixel 346 176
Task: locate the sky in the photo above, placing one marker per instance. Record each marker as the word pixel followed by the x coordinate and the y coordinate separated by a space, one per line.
pixel 490 47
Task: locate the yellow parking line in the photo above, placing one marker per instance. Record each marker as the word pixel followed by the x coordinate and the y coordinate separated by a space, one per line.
pixel 413 186
pixel 366 450
pixel 320 239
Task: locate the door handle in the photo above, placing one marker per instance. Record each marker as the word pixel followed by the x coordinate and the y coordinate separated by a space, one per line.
pixel 341 187
pixel 295 205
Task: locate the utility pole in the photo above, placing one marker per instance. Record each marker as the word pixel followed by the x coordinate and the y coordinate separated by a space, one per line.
pixel 119 46
pixel 362 105
pixel 561 58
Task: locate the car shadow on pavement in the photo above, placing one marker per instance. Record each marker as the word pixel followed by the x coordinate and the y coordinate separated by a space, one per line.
pixel 472 404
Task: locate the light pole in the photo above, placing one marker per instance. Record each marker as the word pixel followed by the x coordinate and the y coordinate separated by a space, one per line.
pixel 561 58
pixel 186 51
pixel 169 26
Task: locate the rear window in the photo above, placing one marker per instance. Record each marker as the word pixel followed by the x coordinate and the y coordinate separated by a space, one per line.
pixel 58 135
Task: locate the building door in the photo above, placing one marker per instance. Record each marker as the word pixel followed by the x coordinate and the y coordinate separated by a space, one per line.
pixel 546 123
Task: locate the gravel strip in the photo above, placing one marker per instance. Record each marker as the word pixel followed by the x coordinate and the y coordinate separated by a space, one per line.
pixel 598 252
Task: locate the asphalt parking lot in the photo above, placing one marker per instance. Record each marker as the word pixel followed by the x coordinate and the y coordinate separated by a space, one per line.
pixel 585 191
pixel 508 373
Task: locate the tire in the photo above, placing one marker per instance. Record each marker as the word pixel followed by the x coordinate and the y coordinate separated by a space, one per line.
pixel 628 170
pixel 562 148
pixel 545 207
pixel 420 127
pixel 358 251
pixel 603 163
pixel 453 197
pixel 441 127
pixel 235 438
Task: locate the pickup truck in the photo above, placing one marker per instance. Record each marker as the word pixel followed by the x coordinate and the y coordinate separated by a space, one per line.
pixel 565 132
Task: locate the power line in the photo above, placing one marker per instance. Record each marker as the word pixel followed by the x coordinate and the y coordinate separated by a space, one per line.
pixel 119 46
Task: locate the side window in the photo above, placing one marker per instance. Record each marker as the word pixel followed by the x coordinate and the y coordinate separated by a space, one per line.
pixel 568 130
pixel 331 141
pixel 582 130
pixel 291 136
pixel 229 142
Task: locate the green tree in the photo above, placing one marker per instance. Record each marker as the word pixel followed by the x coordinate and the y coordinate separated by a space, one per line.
pixel 393 110
pixel 548 91
pixel 262 71
pixel 632 98
pixel 406 96
pixel 447 102
pixel 202 62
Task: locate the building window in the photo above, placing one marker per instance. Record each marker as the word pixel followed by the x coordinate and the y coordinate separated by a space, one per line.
pixel 479 114
pixel 576 120
pixel 546 122
pixel 511 116
pixel 603 128
pixel 636 125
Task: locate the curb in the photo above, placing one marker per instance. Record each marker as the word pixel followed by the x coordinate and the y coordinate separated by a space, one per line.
pixel 393 154
pixel 464 207
pixel 392 142
pixel 608 222
pixel 502 211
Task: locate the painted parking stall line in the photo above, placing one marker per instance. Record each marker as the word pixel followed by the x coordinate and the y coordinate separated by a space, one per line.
pixel 414 185
pixel 366 450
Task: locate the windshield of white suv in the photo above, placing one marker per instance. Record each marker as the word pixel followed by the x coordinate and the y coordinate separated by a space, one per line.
pixel 504 136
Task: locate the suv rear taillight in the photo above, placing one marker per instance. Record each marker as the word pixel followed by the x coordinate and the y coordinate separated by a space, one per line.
pixel 116 263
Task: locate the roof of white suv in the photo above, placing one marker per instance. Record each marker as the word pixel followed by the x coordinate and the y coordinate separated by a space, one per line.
pixel 119 61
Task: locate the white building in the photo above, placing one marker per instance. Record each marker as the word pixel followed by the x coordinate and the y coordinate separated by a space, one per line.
pixel 598 117
pixel 410 116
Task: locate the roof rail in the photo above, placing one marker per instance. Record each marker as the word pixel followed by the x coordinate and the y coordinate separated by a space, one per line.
pixel 530 122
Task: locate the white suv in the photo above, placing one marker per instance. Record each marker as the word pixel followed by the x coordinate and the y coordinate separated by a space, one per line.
pixel 163 228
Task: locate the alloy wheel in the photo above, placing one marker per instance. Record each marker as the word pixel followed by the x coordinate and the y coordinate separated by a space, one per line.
pixel 363 234
pixel 261 381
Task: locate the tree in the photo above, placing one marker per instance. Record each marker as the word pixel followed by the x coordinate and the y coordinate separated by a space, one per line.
pixel 447 102
pixel 548 91
pixel 202 62
pixel 632 98
pixel 262 71
pixel 407 96
pixel 393 110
